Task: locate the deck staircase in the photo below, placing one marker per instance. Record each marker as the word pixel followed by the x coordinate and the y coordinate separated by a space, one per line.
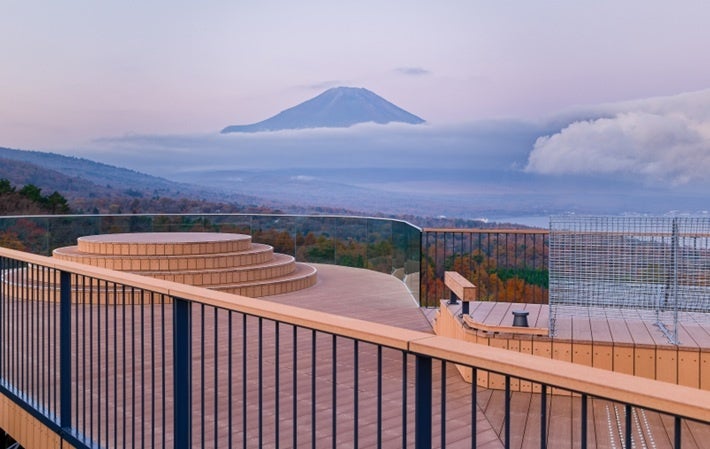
pixel 220 261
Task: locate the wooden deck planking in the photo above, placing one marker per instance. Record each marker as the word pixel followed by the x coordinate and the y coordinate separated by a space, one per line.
pixel 482 310
pixel 500 315
pixel 538 315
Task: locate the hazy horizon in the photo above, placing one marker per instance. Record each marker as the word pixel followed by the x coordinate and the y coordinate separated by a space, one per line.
pixel 79 71
pixel 558 100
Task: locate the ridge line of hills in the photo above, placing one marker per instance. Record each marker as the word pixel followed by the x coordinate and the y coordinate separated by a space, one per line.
pixel 84 182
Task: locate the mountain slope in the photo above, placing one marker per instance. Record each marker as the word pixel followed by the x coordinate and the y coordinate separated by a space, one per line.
pixel 77 177
pixel 339 107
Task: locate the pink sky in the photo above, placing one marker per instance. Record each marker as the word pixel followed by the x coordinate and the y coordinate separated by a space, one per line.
pixel 76 71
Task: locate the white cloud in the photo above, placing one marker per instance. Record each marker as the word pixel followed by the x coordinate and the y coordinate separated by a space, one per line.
pixel 661 139
pixel 482 145
pixel 413 71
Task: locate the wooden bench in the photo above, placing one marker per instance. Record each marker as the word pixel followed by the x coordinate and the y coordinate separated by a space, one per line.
pixel 461 288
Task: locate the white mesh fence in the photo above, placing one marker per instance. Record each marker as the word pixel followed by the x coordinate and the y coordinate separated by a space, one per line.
pixel 657 266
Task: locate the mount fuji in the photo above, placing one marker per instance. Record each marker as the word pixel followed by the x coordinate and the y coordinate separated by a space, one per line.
pixel 339 107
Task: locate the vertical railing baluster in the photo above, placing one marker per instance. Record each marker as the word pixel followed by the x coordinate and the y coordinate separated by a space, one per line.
pixel 422 402
pixel 543 416
pixel 152 367
pixel 164 370
pixel 507 412
pixel 677 432
pixel 379 396
pixel 124 424
pixel 216 376
pixel 79 298
pixel 133 367
pixel 474 407
pixel 583 436
pixel 91 371
pixel 65 379
pixel 115 357
pixel 294 379
pixel 334 392
pixel 182 373
pixel 313 388
pixel 229 380
pixel 404 400
pixel 356 397
pixel 277 386
pixel 244 380
pixel 443 403
pixel 84 359
pixel 260 381
pixel 202 375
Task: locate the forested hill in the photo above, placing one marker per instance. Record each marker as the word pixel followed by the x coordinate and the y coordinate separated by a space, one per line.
pixel 92 186
pixel 100 174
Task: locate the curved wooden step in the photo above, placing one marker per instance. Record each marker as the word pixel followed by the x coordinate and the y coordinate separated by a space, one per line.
pixel 280 265
pixel 303 277
pixel 226 262
pixel 255 255
pixel 163 243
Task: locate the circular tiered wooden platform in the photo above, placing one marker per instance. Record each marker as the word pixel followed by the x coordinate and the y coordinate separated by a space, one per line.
pixel 219 261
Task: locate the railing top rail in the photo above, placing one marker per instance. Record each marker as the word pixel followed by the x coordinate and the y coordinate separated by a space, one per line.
pixel 210 214
pixel 488 230
pixel 648 393
pixel 668 398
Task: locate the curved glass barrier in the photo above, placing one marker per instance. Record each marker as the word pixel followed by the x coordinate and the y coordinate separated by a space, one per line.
pixel 383 245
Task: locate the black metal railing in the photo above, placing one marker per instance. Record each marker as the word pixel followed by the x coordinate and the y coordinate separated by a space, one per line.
pixel 509 265
pixel 110 360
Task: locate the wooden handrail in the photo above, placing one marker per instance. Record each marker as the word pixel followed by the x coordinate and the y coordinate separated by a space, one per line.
pixel 647 393
pixel 487 230
pixel 460 286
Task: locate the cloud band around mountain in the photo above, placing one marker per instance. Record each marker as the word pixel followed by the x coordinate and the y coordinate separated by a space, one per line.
pixel 660 139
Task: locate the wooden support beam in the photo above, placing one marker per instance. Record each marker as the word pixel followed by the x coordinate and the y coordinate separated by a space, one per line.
pixel 460 286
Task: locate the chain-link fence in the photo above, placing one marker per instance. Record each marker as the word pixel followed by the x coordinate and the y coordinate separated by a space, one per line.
pixel 659 267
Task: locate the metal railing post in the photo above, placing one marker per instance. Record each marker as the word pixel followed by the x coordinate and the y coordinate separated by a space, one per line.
pixel 182 373
pixel 583 435
pixel 422 401
pixel 65 351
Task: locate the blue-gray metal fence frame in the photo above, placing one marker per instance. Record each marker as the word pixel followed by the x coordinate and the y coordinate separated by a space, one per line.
pixel 656 266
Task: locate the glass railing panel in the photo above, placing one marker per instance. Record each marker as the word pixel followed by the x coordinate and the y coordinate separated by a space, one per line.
pixel 63 231
pixel 315 239
pixel 351 242
pixel 236 224
pixel 380 247
pixel 406 255
pixel 29 234
pixel 275 230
